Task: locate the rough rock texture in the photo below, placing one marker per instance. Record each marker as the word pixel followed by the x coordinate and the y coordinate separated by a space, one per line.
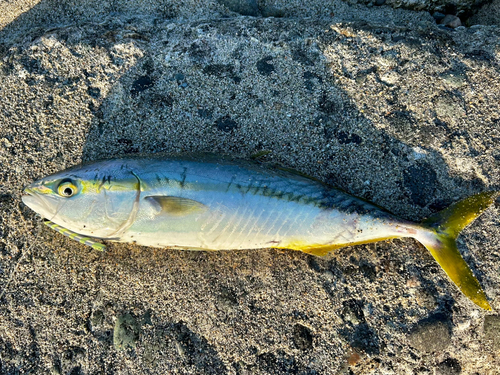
pixel 489 14
pixel 379 102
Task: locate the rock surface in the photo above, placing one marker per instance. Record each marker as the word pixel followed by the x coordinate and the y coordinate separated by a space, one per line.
pixel 489 14
pixel 380 102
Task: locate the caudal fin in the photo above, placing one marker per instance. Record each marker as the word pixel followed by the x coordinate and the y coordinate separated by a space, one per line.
pixel 440 239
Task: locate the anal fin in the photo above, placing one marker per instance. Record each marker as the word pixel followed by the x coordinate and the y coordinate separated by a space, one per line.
pixel 324 249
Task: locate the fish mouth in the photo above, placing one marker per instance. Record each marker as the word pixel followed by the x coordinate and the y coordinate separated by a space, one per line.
pixel 36 202
pixel 28 196
pixel 31 200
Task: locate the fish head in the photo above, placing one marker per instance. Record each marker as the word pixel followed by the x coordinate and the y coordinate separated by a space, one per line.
pixel 96 200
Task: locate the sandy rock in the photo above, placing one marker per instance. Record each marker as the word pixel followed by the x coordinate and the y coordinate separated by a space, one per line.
pixel 362 98
pixel 491 328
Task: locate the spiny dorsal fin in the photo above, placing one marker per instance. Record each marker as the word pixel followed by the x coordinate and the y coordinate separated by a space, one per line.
pixel 178 206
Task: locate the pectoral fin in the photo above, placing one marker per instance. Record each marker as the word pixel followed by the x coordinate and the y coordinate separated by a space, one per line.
pixel 177 206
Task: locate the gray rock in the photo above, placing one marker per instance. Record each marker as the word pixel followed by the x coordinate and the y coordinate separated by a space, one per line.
pixel 126 332
pixel 302 337
pixel 420 179
pixel 489 14
pixel 491 329
pixel 448 105
pixel 96 320
pixel 243 7
pixel 455 78
pixel 449 366
pixel 431 334
pixel 451 21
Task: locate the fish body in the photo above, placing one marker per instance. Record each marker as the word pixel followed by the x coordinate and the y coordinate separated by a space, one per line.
pixel 214 205
pixel 210 203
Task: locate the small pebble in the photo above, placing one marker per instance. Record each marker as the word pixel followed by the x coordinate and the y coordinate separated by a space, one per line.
pixel 126 332
pixel 451 21
pixel 455 79
pixel 430 335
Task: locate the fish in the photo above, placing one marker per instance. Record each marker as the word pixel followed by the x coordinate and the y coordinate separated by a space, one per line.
pixel 208 202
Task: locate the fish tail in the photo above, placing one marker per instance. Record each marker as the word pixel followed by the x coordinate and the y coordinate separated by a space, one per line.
pixel 439 237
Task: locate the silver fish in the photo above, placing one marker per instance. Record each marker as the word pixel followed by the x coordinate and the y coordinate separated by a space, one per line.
pixel 210 203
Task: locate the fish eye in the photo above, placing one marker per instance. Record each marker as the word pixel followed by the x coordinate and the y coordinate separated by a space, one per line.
pixel 67 189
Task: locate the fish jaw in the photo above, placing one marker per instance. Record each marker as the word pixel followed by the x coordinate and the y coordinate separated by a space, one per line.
pixel 36 196
pixel 35 203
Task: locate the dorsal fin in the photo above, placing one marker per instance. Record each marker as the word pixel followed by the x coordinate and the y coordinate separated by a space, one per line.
pixel 178 206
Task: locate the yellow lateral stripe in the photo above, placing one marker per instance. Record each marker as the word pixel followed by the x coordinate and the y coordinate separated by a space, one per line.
pixel 75 236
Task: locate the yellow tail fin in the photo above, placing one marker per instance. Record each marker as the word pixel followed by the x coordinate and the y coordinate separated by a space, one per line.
pixel 440 239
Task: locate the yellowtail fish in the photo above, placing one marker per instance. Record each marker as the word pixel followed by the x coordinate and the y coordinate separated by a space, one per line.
pixel 209 203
